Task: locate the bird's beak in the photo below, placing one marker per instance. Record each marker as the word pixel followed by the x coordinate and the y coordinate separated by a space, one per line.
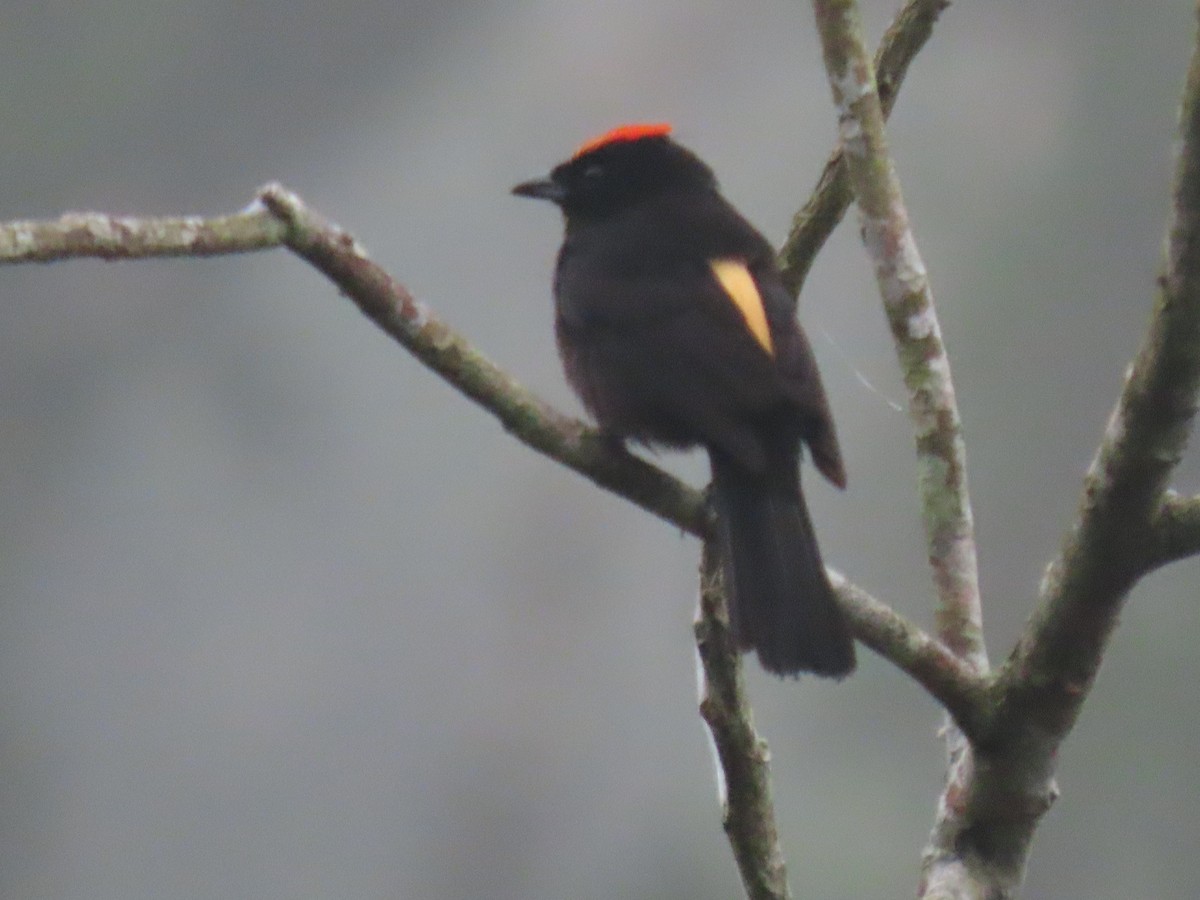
pixel 541 189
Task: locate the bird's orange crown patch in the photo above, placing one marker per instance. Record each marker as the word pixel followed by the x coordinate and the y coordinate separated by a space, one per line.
pixel 623 133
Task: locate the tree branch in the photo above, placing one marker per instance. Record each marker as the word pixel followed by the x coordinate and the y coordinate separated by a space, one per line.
pixel 96 235
pixel 743 772
pixel 1125 525
pixel 1124 515
pixel 389 305
pixel 941 453
pixel 1176 528
pixel 280 219
pixel 1008 726
pixel 954 683
pixel 908 302
pixel 816 220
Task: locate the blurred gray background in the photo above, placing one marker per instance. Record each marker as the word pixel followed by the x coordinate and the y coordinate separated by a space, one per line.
pixel 283 616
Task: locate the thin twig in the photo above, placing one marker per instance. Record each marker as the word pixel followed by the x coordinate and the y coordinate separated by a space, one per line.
pixel 955 684
pixel 99 236
pixel 816 220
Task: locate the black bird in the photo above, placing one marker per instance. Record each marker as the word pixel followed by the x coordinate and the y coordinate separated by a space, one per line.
pixel 675 329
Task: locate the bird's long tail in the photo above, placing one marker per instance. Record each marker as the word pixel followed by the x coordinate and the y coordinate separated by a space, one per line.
pixel 780 601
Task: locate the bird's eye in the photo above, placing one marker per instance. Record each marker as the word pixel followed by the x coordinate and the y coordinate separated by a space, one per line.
pixel 593 172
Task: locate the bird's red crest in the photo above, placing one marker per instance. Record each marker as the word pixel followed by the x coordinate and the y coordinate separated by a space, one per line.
pixel 624 133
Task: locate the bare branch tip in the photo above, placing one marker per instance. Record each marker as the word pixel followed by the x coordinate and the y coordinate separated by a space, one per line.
pixel 284 204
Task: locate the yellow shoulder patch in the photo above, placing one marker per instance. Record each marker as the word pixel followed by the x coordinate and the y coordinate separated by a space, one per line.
pixel 738 284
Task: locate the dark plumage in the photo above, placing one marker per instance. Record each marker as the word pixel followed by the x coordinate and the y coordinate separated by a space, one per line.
pixel 675 329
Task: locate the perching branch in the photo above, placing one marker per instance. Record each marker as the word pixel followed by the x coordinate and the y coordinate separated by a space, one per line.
pixel 1008 725
pixel 389 305
pixel 98 236
pixel 743 773
pixel 279 218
